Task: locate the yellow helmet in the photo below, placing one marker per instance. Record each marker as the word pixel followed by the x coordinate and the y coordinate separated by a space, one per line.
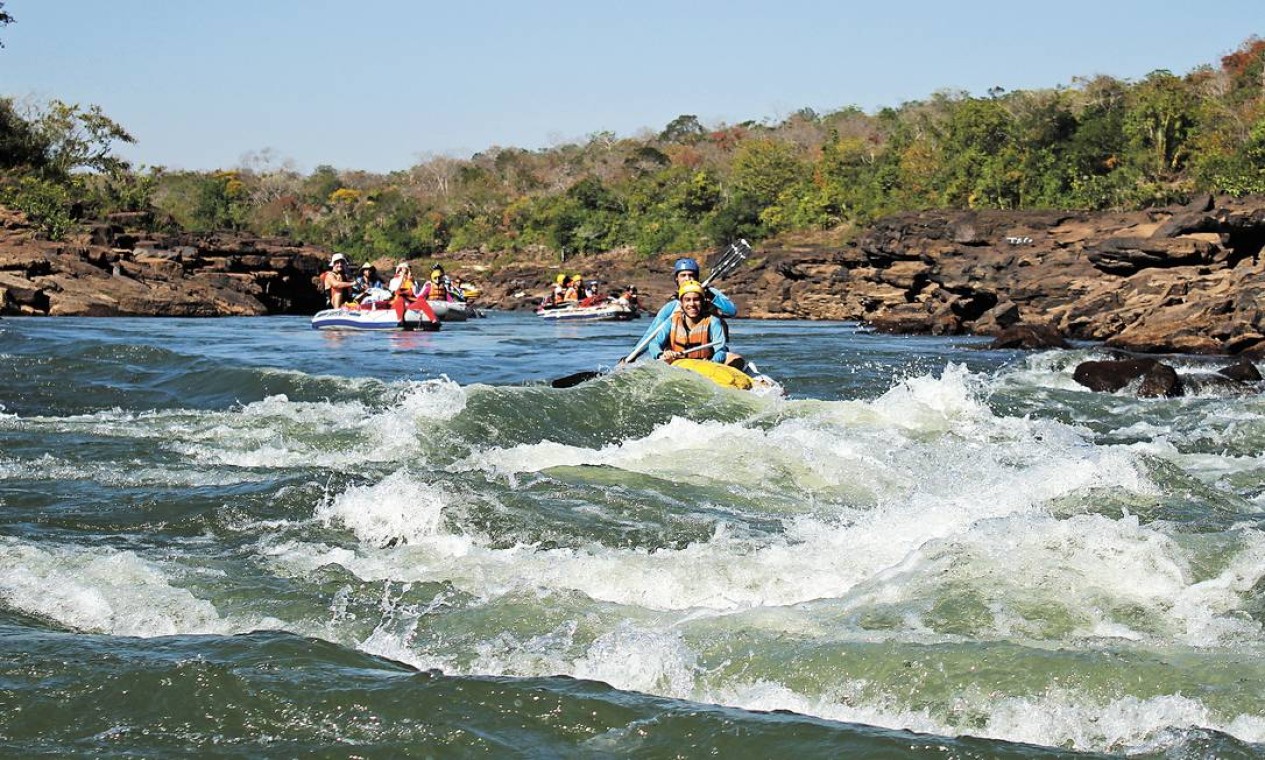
pixel 690 286
pixel 576 278
pixel 560 279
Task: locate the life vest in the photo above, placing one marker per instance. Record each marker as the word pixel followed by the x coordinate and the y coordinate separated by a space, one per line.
pixel 683 338
pixel 405 288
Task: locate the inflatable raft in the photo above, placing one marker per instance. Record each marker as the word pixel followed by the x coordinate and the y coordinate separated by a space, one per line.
pixel 613 308
pixel 451 311
pixel 376 317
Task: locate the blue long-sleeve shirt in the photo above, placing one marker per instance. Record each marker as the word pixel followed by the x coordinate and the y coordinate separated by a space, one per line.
pixel 719 300
pixel 715 334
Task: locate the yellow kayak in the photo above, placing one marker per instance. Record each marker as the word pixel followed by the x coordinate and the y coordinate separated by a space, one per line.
pixel 719 374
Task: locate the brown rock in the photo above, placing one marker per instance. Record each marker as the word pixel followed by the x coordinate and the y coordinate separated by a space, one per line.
pixel 1028 337
pixel 1154 378
pixel 1126 255
pixel 1244 372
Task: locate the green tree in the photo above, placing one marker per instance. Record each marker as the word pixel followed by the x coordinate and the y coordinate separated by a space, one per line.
pixel 763 168
pixel 78 138
pixel 685 128
pixel 1158 123
pixel 21 144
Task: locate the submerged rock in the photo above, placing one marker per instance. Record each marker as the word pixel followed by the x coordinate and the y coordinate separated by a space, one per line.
pixel 1152 377
pixel 1028 337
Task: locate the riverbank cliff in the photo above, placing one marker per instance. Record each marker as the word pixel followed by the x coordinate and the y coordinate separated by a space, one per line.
pixel 1184 279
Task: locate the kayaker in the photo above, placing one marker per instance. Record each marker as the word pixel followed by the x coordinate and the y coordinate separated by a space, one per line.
pixel 337 283
pixel 687 270
pixel 630 297
pixel 691 328
pixel 456 289
pixel 404 292
pixel 556 292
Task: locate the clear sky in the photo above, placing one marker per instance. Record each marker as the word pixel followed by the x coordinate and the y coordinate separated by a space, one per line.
pixel 381 84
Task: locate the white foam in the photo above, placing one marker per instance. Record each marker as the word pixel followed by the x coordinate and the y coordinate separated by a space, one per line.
pixel 397 509
pixel 634 659
pixel 103 592
pixel 874 494
pixel 1063 718
pixel 278 433
pixel 50 468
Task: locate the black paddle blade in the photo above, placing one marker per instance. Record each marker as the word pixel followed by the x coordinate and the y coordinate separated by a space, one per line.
pixel 576 379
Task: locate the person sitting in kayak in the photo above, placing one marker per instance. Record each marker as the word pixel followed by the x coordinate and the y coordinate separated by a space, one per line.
pixel 593 295
pixel 687 270
pixel 691 332
pixel 554 297
pixel 337 282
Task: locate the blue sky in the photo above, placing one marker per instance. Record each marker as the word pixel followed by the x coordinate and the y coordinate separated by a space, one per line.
pixel 381 84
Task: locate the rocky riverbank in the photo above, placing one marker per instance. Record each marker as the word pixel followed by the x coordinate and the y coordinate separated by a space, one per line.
pixel 1182 280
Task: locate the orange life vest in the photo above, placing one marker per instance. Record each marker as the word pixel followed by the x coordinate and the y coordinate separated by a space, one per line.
pixel 684 338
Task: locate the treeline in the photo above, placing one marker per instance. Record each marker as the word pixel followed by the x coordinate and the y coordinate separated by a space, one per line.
pixel 1101 143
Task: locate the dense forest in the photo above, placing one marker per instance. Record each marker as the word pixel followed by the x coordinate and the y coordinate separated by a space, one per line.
pixel 1099 143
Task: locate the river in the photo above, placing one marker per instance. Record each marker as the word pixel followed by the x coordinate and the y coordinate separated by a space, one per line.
pixel 244 537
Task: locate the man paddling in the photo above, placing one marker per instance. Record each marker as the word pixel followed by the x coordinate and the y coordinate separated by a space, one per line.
pixel 692 333
pixel 685 270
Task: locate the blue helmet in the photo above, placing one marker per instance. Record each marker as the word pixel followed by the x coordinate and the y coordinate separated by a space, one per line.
pixel 685 265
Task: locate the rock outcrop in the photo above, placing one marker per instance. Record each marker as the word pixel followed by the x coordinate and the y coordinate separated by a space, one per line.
pixel 1177 280
pixel 113 273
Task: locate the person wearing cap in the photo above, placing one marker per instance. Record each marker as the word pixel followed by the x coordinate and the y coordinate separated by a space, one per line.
pixel 366 282
pixel 337 282
pixel 687 270
pixel 456 289
pixel 692 332
pixel 630 297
